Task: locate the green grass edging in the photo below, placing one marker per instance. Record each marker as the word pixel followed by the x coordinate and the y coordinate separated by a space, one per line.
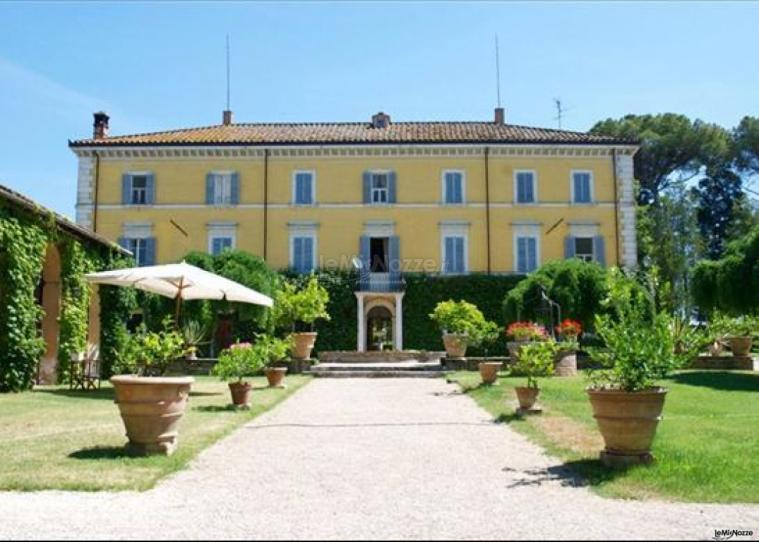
pixel 705 448
pixel 53 438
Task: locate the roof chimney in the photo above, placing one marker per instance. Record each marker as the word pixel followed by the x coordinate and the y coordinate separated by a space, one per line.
pixel 500 116
pixel 380 120
pixel 100 126
pixel 226 118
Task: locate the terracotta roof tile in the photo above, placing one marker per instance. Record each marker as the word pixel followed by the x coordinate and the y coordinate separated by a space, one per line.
pixel 354 133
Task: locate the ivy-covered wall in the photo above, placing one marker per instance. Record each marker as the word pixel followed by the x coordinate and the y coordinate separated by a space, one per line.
pixel 24 238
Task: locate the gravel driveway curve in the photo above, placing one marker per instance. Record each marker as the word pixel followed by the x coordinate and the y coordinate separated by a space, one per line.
pixel 366 458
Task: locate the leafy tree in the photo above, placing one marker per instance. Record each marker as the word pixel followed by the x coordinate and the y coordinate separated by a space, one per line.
pixel 747 142
pixel 673 148
pixel 720 193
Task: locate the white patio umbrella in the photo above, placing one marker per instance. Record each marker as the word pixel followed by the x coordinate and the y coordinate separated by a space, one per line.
pixel 180 281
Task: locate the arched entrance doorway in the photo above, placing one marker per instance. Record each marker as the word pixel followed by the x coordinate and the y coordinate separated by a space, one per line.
pixel 379 328
pixel 49 298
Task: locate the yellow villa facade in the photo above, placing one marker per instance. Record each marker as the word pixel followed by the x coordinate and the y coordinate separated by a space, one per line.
pixel 386 197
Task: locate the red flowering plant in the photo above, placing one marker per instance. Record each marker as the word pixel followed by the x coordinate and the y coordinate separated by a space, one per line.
pixel 526 331
pixel 569 330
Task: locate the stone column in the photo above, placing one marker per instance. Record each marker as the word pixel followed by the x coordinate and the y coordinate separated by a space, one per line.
pixel 361 335
pixel 626 193
pixel 398 341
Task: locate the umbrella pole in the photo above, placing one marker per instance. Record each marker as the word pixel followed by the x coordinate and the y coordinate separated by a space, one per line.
pixel 178 304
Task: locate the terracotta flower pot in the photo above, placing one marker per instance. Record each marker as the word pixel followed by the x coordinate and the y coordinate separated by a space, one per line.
pixel 275 375
pixel 627 421
pixel 565 363
pixel 455 345
pixel 527 397
pixel 489 371
pixel 241 393
pixel 514 348
pixel 151 409
pixel 740 346
pixel 303 344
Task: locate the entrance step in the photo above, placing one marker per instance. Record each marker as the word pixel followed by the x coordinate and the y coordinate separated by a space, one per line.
pixel 403 369
pixel 388 356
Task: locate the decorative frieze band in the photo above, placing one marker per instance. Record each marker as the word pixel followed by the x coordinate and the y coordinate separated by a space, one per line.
pixel 587 151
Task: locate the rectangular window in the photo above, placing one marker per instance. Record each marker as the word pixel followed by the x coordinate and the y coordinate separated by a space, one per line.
pixel 220 244
pixel 584 248
pixel 582 187
pixel 525 187
pixel 453 187
pixel 139 190
pixel 138 248
pixel 527 254
pixel 379 188
pixel 222 189
pixel 303 188
pixel 454 257
pixel 303 254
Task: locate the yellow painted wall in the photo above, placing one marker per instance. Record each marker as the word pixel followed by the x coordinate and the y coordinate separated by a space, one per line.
pixel 180 196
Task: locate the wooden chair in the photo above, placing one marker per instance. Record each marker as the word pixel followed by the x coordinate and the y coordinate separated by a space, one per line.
pixel 85 369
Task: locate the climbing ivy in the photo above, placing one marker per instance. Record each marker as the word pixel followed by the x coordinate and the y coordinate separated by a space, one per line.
pixel 24 239
pixel 116 305
pixel 76 261
pixel 22 254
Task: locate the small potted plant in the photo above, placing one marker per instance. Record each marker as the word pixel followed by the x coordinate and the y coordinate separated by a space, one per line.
pixel 194 334
pixel 235 363
pixel 462 324
pixel 569 332
pixel 536 359
pixel 739 333
pixel 639 349
pixel 151 406
pixel 296 307
pixel 273 352
pixel 522 333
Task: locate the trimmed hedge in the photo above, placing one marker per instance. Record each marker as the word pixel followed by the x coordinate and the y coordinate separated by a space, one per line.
pixel 730 284
pixel 423 292
pixel 577 286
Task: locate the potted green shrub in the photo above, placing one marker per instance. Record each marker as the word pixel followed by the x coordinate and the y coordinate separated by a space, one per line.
pixel 522 333
pixel 737 332
pixel 568 332
pixel 462 324
pixel 151 406
pixel 194 334
pixel 273 351
pixel 639 349
pixel 235 363
pixel 295 307
pixel 535 360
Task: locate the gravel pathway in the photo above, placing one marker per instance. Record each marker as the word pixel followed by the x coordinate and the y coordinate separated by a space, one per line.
pixel 366 458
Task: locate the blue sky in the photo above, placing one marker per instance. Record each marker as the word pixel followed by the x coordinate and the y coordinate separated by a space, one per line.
pixel 157 66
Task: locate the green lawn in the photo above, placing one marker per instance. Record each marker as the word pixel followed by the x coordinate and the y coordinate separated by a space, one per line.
pixel 706 449
pixel 52 438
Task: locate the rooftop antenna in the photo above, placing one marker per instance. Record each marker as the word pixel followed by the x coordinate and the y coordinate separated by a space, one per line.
pixel 497 71
pixel 560 111
pixel 227 115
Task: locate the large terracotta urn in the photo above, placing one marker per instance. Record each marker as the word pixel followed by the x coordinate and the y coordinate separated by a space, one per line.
pixel 627 421
pixel 740 346
pixel 303 344
pixel 455 345
pixel 151 408
pixel 514 348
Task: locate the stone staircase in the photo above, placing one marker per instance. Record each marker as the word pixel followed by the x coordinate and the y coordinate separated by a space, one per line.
pixel 406 364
